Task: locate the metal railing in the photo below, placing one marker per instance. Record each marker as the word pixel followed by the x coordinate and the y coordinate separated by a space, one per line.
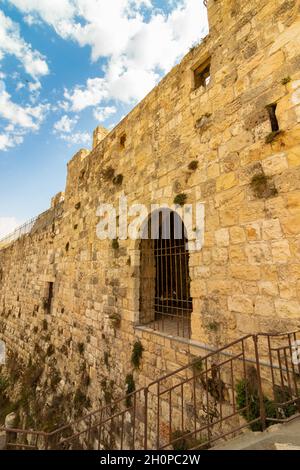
pixel 252 382
pixel 27 227
pixel 18 232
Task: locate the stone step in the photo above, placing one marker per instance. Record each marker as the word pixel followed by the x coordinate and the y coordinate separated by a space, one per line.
pixel 277 437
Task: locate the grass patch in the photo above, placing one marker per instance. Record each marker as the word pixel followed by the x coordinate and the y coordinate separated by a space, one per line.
pixel 180 199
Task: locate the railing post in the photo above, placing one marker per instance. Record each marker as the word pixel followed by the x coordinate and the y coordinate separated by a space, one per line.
pixel 259 383
pixel 146 419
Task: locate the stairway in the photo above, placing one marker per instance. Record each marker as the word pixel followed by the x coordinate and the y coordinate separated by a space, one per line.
pixel 251 383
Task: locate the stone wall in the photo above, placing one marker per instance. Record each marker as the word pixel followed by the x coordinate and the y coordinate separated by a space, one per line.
pixel 247 276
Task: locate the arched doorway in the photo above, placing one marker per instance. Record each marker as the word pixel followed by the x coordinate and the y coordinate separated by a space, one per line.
pixel 165 300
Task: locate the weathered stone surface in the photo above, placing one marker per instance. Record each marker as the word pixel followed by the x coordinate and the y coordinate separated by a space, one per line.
pixel 240 279
pixel 241 303
pixel 237 235
pixel 271 229
pixel 222 237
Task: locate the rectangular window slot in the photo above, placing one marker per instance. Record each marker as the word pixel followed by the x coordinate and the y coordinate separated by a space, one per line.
pixel 49 298
pixel 202 75
pixel 123 141
pixel 271 108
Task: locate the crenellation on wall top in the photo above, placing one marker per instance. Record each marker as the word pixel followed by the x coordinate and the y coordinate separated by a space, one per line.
pixel 99 134
pixel 57 199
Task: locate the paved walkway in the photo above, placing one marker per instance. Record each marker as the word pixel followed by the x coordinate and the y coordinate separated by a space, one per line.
pixel 276 437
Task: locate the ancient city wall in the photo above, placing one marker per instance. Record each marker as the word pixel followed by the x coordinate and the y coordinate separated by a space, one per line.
pixel 247 276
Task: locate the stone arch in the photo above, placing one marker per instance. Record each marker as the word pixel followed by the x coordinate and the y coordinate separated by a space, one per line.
pixel 165 301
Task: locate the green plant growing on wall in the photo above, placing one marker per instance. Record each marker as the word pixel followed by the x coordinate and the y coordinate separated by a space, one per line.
pixel 137 353
pixel 247 399
pixel 3 383
pixel 81 348
pixel 262 186
pixel 286 80
pixel 118 180
pixel 193 165
pixel 55 378
pixel 108 173
pixel 130 388
pixel 5 405
pixel 115 319
pixel 213 326
pixel 272 136
pixel 180 199
pixel 50 350
pixel 198 366
pixel 283 395
pixel 81 400
pixel 107 388
pixel 180 441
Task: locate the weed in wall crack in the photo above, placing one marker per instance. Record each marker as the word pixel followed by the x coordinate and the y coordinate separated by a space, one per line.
pixel 136 355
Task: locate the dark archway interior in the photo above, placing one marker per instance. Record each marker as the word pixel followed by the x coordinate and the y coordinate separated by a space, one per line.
pixel 165 282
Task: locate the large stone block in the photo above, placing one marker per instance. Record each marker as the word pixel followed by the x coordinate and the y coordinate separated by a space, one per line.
pixel 271 229
pixel 241 303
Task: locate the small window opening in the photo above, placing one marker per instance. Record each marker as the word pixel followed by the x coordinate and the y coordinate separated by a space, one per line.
pixel 271 108
pixel 202 75
pixel 123 141
pixel 49 298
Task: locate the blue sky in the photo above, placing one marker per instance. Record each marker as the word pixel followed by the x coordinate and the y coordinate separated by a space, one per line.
pixel 67 66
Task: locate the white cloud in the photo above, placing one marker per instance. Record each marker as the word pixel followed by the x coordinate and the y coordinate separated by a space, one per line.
pixel 65 130
pixel 32 20
pixel 27 117
pixel 8 141
pixel 12 43
pixel 65 124
pixel 19 86
pixel 8 225
pixel 103 113
pixel 77 138
pixel 20 119
pixel 51 12
pixel 94 93
pixel 139 49
pixel 34 87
